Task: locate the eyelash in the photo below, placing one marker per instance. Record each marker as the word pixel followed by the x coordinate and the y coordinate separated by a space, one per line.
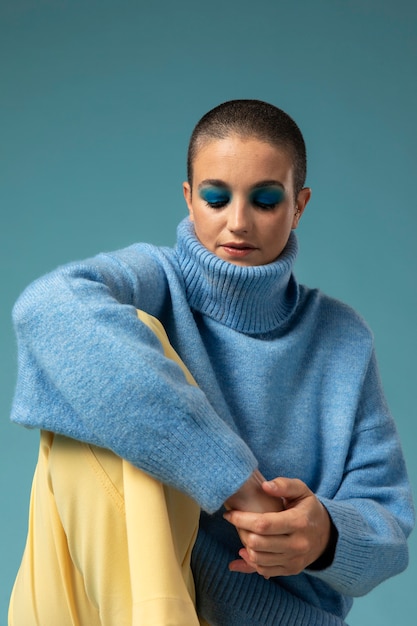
pixel 260 205
pixel 220 204
pixel 266 207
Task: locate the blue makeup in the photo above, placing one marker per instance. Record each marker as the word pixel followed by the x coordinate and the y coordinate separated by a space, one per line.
pixel 215 196
pixel 267 197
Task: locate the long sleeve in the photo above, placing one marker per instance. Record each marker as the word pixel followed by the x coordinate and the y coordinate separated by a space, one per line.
pixel 287 378
pixel 89 369
pixel 372 509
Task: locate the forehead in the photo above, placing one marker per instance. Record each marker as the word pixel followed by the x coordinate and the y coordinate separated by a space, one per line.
pixel 243 159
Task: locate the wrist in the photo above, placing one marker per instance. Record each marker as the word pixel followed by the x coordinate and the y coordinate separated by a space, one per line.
pixel 327 556
pixel 251 497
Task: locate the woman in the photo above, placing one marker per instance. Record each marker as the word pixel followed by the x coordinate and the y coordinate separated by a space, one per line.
pixel 287 388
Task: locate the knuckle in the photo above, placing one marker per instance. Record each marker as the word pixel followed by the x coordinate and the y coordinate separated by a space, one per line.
pixel 294 567
pixel 264 571
pixel 299 544
pixel 299 483
pixel 252 542
pixel 254 557
pixel 262 525
pixel 301 523
pixel 303 545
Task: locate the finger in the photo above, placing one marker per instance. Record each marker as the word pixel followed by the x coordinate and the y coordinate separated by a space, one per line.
pixel 261 523
pixel 286 488
pixel 265 570
pixel 268 565
pixel 277 544
pixel 240 565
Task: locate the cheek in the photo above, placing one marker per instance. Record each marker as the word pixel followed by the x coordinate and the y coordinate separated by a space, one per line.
pixel 208 226
pixel 276 233
pixel 202 229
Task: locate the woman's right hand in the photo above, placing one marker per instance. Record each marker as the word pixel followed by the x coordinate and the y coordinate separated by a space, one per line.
pixel 252 498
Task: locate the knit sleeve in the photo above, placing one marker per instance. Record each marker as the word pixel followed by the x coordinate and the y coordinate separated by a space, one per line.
pixel 90 370
pixel 373 509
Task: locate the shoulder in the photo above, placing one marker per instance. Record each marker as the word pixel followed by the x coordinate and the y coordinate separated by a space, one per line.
pixel 136 251
pixel 129 275
pixel 135 264
pixel 333 317
pixel 137 258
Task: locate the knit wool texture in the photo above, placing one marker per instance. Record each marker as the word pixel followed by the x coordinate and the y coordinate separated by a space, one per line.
pixel 287 380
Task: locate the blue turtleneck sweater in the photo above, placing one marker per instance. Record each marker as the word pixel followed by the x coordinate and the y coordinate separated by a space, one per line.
pixel 287 382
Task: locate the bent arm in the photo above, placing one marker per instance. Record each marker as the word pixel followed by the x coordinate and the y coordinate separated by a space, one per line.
pixel 90 370
pixel 373 509
pixel 371 513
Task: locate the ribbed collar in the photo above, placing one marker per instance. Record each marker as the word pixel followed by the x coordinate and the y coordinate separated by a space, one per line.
pixel 251 300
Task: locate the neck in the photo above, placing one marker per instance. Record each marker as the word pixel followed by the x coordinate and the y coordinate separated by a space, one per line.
pixel 252 300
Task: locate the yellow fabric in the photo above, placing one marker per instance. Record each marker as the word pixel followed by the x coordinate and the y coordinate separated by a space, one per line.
pixel 107 544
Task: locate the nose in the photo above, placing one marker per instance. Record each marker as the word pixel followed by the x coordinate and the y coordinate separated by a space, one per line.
pixel 238 218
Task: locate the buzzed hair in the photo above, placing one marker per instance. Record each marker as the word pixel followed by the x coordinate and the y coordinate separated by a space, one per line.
pixel 251 118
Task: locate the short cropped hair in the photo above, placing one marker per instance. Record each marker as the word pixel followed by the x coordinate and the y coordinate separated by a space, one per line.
pixel 251 118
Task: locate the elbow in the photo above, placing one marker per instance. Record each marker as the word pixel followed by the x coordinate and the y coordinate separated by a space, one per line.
pixel 30 306
pixel 24 308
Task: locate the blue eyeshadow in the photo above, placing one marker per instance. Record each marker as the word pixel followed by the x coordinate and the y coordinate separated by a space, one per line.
pixel 214 195
pixel 267 196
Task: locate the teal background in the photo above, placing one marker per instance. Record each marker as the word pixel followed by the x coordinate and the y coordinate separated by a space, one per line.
pixel 98 99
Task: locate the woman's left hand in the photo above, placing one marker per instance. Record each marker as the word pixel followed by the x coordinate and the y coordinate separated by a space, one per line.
pixel 283 543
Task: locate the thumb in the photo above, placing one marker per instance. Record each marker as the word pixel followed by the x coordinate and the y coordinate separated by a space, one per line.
pixel 286 488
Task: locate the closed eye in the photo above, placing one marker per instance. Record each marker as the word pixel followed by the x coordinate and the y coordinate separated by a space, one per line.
pixel 215 198
pixel 219 204
pixel 266 206
pixel 267 199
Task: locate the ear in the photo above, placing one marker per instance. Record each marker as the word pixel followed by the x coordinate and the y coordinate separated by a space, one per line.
pixel 302 201
pixel 186 189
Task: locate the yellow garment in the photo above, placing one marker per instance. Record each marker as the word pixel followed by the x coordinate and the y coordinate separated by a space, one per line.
pixel 107 544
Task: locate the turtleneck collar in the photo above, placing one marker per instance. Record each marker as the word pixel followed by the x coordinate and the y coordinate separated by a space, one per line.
pixel 252 300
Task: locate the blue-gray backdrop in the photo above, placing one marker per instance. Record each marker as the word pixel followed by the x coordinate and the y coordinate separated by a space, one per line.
pixel 98 98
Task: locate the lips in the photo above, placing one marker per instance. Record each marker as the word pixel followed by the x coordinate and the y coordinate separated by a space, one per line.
pixel 238 249
pixel 239 245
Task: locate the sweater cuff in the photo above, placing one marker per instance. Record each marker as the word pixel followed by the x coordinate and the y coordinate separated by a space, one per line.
pixel 217 464
pixel 353 550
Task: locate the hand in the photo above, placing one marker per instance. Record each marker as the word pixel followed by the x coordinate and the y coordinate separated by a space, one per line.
pixel 253 497
pixel 282 543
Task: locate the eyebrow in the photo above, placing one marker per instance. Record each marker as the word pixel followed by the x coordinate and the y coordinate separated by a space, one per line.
pixel 212 182
pixel 216 182
pixel 268 183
